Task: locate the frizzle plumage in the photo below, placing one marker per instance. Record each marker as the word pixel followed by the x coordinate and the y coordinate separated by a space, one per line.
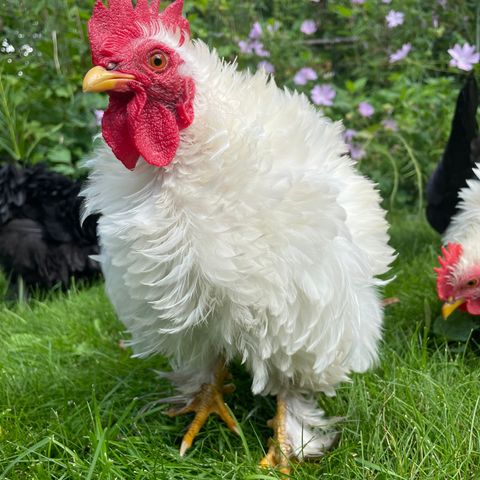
pixel 259 241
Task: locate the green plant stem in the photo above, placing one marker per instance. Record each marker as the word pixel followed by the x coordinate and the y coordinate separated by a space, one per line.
pixel 10 120
pixel 418 171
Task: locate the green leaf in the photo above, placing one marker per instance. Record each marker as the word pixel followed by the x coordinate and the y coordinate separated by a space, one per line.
pixel 342 11
pixel 355 86
pixel 6 147
pixel 63 92
pixel 40 137
pixel 60 155
pixel 350 86
pixel 457 328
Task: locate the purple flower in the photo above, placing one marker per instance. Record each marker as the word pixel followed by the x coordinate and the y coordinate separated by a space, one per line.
pixel 266 66
pixel 394 19
pixel 435 22
pixel 98 116
pixel 304 75
pixel 309 27
pixel 253 44
pixel 358 2
pixel 245 47
pixel 349 134
pixel 259 49
pixel 401 54
pixel 386 1
pixel 463 57
pixel 365 109
pixel 390 124
pixel 256 31
pixel 357 152
pixel 323 95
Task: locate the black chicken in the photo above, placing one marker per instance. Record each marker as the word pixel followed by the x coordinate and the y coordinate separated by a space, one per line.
pixel 41 240
pixel 458 160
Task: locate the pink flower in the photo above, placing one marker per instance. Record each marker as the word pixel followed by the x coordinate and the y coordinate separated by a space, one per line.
pixel 390 124
pixel 394 19
pixel 266 66
pixel 98 116
pixel 463 57
pixel 365 109
pixel 323 95
pixel 256 31
pixel 304 75
pixel 401 54
pixel 308 27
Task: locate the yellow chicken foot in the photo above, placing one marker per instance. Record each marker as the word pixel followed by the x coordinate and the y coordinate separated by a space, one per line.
pixel 280 450
pixel 209 399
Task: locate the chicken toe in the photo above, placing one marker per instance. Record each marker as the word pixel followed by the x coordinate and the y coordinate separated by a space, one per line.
pixel 208 400
pixel 280 450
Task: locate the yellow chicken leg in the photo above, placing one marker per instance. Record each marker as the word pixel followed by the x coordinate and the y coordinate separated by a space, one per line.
pixel 209 399
pixel 280 449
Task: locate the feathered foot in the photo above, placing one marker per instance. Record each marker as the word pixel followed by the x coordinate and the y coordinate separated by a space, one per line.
pixel 280 449
pixel 208 400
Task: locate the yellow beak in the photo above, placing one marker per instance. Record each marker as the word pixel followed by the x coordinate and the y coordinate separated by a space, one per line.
pixel 100 80
pixel 449 307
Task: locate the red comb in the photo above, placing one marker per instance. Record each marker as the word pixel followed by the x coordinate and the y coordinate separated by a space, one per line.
pixel 121 21
pixel 451 254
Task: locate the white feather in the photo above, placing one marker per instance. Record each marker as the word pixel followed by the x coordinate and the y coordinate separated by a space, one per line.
pixel 260 241
pixel 465 225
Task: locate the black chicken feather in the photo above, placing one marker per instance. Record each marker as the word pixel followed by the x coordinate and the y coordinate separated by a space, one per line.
pixel 41 238
pixel 458 160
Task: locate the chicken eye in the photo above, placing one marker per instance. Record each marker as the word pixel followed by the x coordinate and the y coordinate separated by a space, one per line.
pixel 472 283
pixel 158 61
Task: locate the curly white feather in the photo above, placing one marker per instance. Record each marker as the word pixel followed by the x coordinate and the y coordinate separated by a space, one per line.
pixel 465 225
pixel 260 241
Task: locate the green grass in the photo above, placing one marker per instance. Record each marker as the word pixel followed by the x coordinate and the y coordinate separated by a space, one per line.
pixel 74 405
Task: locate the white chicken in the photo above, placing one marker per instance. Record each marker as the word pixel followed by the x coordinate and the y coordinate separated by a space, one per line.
pixel 453 208
pixel 239 229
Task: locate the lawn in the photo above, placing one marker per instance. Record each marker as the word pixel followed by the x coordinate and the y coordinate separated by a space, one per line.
pixel 74 405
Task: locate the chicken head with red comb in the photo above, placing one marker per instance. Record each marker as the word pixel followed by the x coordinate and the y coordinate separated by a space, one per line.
pixel 135 50
pixel 458 281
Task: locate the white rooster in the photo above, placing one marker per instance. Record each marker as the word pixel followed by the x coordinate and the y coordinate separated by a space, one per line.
pixel 239 229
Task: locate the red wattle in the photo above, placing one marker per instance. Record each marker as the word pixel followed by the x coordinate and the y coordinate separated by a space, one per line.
pixel 156 134
pixel 116 132
pixel 137 127
pixel 473 306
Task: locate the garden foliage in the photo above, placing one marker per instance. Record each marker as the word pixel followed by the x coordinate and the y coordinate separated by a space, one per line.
pixel 381 66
